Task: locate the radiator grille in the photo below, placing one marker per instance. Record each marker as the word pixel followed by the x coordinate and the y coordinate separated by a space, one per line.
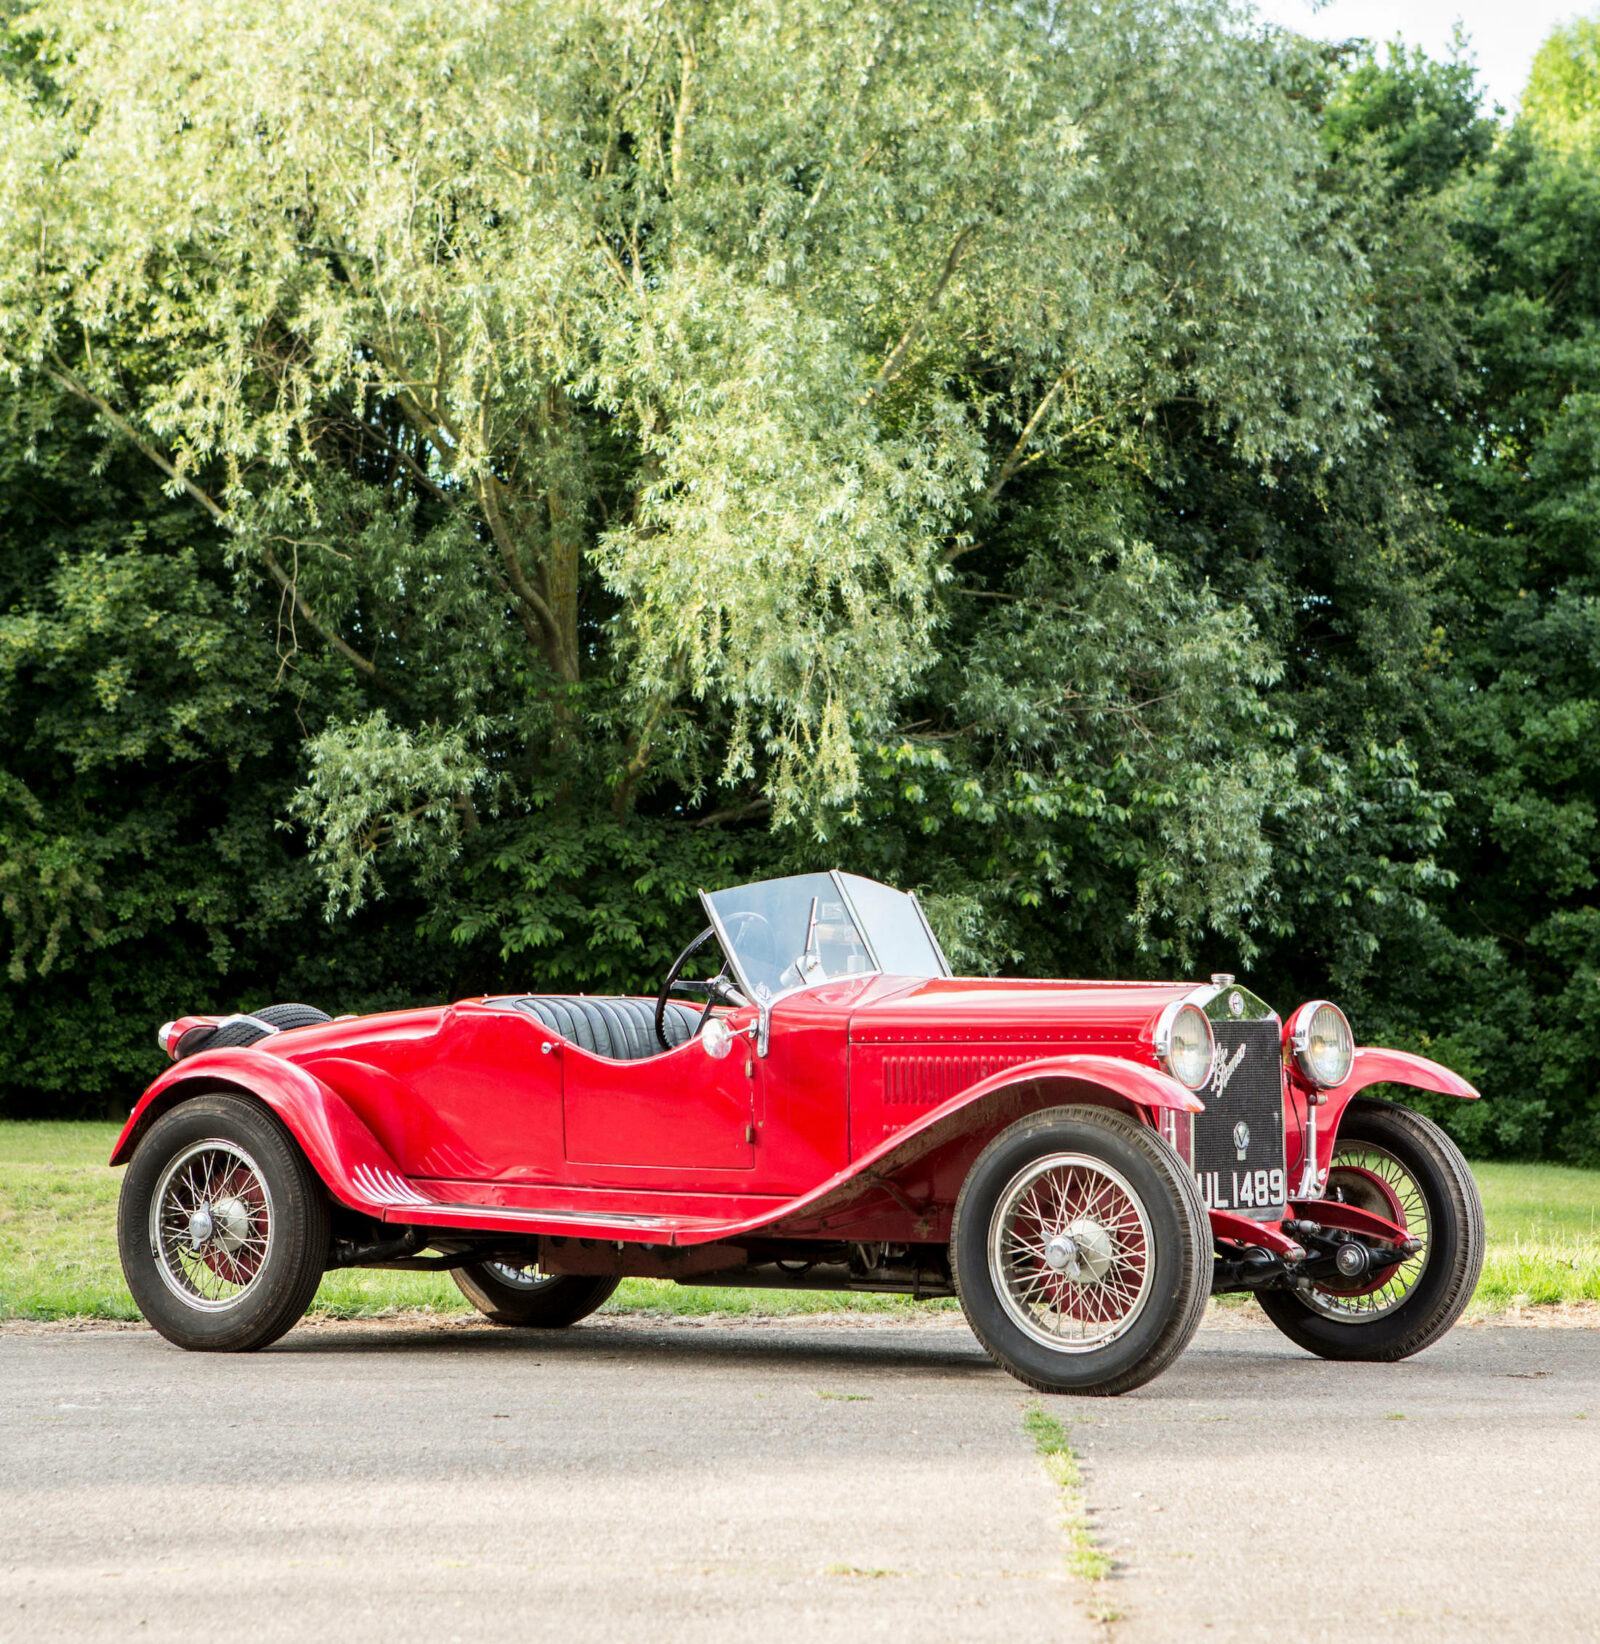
pixel 1249 1180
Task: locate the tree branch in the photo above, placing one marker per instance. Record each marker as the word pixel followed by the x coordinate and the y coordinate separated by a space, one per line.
pixel 735 813
pixel 893 365
pixel 685 108
pixel 1009 467
pixel 75 385
pixel 636 766
pixel 528 596
pixel 1015 459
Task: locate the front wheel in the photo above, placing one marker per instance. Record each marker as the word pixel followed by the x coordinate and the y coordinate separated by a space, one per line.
pixel 508 1294
pixel 1081 1251
pixel 1403 1167
pixel 222 1226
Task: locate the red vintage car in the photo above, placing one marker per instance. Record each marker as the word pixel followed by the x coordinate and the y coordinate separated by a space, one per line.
pixel 1081 1163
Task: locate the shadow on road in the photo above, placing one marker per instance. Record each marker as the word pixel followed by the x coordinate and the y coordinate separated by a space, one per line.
pixel 871 1347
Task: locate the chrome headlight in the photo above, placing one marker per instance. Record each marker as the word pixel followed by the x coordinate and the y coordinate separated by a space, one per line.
pixel 1185 1045
pixel 1322 1043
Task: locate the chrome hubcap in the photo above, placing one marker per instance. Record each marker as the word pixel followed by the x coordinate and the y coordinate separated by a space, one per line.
pixel 1070 1252
pixel 231 1223
pixel 1082 1252
pixel 211 1226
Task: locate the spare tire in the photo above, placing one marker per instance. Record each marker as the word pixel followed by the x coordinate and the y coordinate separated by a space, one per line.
pixel 239 1031
pixel 284 1017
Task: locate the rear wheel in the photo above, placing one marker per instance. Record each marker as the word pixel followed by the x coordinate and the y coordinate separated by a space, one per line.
pixel 1081 1251
pixel 1403 1167
pixel 222 1226
pixel 523 1296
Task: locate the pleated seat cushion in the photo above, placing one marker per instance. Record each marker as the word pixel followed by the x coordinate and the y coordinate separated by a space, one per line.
pixel 622 1029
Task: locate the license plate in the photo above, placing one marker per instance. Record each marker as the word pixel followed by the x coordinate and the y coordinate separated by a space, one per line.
pixel 1242 1189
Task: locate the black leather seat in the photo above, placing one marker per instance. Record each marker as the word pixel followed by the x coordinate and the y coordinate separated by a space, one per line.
pixel 622 1029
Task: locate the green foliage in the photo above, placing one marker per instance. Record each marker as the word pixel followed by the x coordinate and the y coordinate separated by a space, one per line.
pixel 686 345
pixel 1562 100
pixel 473 478
pixel 147 751
pixel 1524 690
pixel 1419 118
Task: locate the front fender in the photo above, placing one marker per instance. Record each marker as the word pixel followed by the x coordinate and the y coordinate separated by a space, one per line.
pixel 931 1149
pixel 353 1164
pixel 1373 1065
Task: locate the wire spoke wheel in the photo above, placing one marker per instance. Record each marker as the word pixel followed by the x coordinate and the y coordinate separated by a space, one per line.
pixel 1373 1179
pixel 223 1226
pixel 526 1278
pixel 212 1225
pixel 513 1292
pixel 1070 1252
pixel 1400 1165
pixel 1080 1250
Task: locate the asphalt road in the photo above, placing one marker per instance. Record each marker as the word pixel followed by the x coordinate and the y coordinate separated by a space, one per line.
pixel 785 1482
pixel 1257 1493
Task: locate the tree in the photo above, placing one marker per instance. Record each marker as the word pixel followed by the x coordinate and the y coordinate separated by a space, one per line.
pixel 147 750
pixel 633 447
pixel 1526 680
pixel 1562 100
pixel 1494 967
pixel 611 387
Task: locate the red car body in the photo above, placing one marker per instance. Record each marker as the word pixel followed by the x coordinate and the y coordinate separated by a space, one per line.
pixel 819 1134
pixel 859 1124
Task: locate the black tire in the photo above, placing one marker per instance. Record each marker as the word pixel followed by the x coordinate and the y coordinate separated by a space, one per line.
pixel 1451 1261
pixel 236 1035
pixel 295 1229
pixel 1175 1283
pixel 286 1017
pixel 537 1303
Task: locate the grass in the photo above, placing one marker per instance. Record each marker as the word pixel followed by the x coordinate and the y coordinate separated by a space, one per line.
pixel 1544 1235
pixel 1084 1559
pixel 58 1251
pixel 58 1246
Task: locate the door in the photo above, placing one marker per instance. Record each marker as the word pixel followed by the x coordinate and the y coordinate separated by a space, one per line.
pixel 680 1111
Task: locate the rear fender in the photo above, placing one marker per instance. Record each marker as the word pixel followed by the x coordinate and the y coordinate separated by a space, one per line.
pixel 1376 1066
pixel 906 1187
pixel 353 1164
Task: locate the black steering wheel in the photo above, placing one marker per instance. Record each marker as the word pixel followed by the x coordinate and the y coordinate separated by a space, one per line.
pixel 718 989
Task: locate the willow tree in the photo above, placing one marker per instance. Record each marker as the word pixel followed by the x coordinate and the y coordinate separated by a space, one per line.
pixel 616 391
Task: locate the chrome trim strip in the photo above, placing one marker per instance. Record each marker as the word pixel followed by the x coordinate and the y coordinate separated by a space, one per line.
pixel 244 1016
pixel 949 969
pixel 591 1218
pixel 384 1187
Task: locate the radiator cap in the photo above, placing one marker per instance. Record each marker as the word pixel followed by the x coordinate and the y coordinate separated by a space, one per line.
pixel 1221 979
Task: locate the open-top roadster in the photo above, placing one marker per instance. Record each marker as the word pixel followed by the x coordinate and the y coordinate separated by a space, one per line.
pixel 1082 1163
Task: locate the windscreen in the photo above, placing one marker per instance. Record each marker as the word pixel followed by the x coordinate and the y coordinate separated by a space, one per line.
pixel 894 928
pixel 787 933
